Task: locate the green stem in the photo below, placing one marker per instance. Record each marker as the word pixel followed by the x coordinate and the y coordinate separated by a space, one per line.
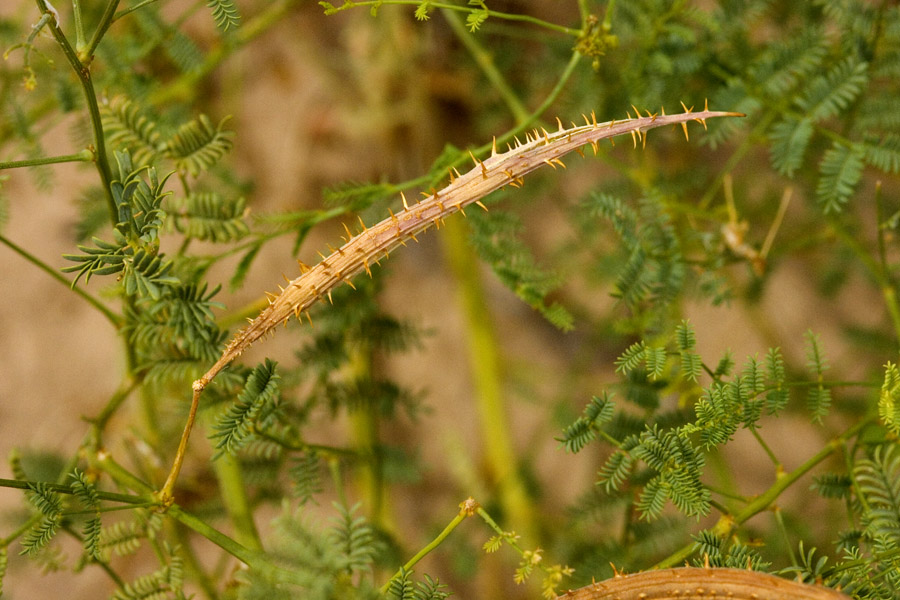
pixel 234 496
pixel 87 86
pixel 486 63
pixel 459 518
pixel 113 318
pixel 87 54
pixel 768 450
pixel 484 364
pixel 459 8
pixel 83 156
pixel 62 488
pixel 728 523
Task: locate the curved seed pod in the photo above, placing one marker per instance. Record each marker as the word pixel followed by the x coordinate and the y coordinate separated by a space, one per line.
pixel 696 582
pixel 374 243
pixel 371 244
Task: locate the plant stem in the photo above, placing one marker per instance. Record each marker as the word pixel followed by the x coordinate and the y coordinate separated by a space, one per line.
pixel 486 63
pixel 87 86
pixel 460 8
pixel 112 317
pixel 728 523
pixel 83 156
pixel 484 364
pixel 87 54
pixel 428 548
pixel 234 495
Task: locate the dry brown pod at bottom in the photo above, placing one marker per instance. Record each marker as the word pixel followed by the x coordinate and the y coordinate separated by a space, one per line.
pixel 696 583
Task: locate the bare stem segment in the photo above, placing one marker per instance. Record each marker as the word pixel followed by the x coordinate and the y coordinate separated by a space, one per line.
pixel 371 244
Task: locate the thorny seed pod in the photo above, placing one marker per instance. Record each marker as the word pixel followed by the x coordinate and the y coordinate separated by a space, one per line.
pixel 372 243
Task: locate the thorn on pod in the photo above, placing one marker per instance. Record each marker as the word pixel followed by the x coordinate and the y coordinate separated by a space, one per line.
pixel 403 197
pixel 494 146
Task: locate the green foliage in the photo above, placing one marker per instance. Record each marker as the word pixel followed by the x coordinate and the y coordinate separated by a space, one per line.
pixel 198 145
pixel 495 238
pixel 253 408
pixel 598 412
pixel 128 128
pixel 889 401
pixel 87 495
pixel 207 216
pixel 403 588
pixel 225 13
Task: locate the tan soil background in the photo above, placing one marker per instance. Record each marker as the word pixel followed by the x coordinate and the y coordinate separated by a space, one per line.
pixel 317 101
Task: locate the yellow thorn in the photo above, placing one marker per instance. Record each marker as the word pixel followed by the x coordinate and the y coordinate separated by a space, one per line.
pixel 457 172
pixel 559 122
pixel 596 148
pixel 270 297
pixel 580 151
pixel 309 317
pixel 686 109
pixel 663 110
pixel 479 203
pixel 329 297
pixel 547 161
pixel 475 160
pixel 586 120
pixel 634 138
pixel 364 228
pixel 546 137
pixel 303 266
pixel 637 113
pixel 684 127
pixel 559 162
pixel 350 283
pixel 706 105
pixel 461 209
pixel 393 216
pixel 405 204
pixel 297 311
pixel 347 229
pixel 593 118
pixel 494 147
pixel 320 254
pixel 612 123
pixel 452 177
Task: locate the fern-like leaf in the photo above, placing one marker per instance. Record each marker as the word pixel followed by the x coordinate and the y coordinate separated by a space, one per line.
pixel 198 145
pixel 225 13
pixel 38 537
pixel 827 95
pixel 889 401
pixel 305 476
pixel 128 128
pixel 883 154
pixel 209 217
pixel 839 173
pixel 234 429
pixel 584 430
pixel 790 139
pixel 879 482
pixel 354 538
